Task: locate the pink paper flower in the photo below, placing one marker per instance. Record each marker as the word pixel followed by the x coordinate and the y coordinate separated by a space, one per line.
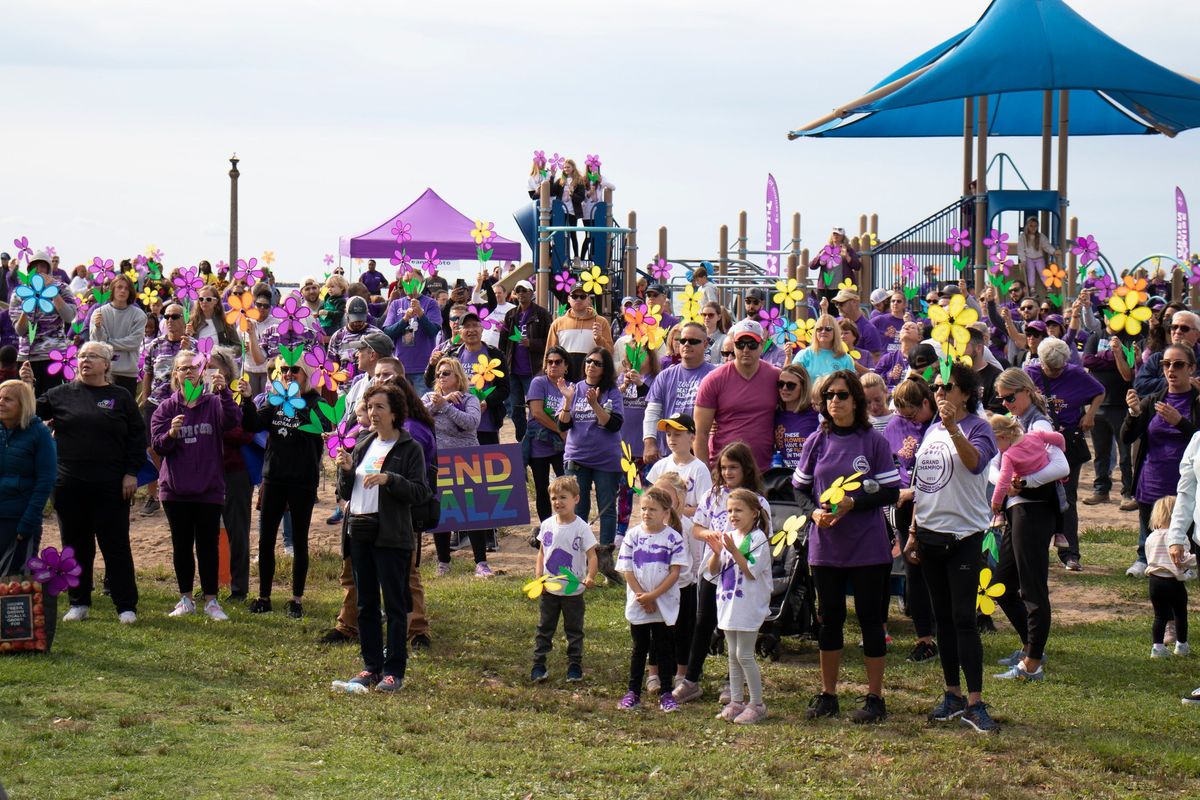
pixel 831 255
pixel 402 231
pixel 24 251
pixel 564 282
pixel 156 256
pixel 660 270
pixel 432 262
pixel 289 313
pixel 908 268
pixel 50 251
pixel 592 163
pixel 187 284
pixel 556 162
pixel 959 239
pixel 222 266
pixel 1087 249
pixel 329 259
pixel 401 260
pixel 539 158
pixel 102 270
pixel 55 571
pixel 204 348
pixel 343 437
pixel 995 240
pixel 140 260
pixel 485 317
pixel 65 362
pixel 1103 285
pixel 248 270
pixel 771 319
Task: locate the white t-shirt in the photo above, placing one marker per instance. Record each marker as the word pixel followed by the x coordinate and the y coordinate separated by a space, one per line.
pixel 491 333
pixel 650 556
pixel 949 497
pixel 696 551
pixel 566 545
pixel 742 603
pixel 695 474
pixel 712 513
pixel 362 499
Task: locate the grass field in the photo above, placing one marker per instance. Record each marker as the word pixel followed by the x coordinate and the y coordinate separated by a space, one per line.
pixel 191 709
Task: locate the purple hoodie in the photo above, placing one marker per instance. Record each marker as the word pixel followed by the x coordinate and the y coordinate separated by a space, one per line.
pixel 193 465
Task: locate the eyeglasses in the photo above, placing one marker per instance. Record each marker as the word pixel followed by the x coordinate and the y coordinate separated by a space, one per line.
pixel 943 387
pixel 554 362
pixel 824 329
pixel 172 316
pixel 1175 365
pixel 708 315
pixel 1181 329
pixel 186 368
pixel 445 374
pixel 836 395
pixel 1008 398
pixel 593 362
pixel 1029 308
pixel 98 357
pixel 746 344
pixel 293 370
pixel 691 342
pixel 726 354
pixel 789 385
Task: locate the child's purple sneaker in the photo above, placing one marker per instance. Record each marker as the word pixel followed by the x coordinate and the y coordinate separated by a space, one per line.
pixel 630 700
pixel 667 703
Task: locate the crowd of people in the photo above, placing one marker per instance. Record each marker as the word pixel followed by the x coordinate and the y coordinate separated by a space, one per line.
pixel 891 444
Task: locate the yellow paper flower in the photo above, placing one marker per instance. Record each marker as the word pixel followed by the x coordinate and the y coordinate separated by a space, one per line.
pixel 985 601
pixel 804 330
pixel 956 353
pixel 1053 276
pixel 788 293
pixel 593 280
pixel 148 296
pixel 952 321
pixel 868 240
pixel 628 465
pixel 854 354
pixel 482 231
pixel 268 257
pixel 131 273
pixel 837 492
pixel 848 285
pixel 535 587
pixel 237 395
pixel 654 337
pixel 1128 316
pixel 788 534
pixel 485 371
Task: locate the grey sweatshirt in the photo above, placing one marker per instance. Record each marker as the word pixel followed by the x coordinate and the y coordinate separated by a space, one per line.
pixel 123 328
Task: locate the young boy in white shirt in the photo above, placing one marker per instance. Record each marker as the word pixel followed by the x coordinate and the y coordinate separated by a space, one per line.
pixel 681 432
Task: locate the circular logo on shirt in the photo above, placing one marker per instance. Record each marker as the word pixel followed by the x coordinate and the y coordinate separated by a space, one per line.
pixel 861 464
pixel 934 467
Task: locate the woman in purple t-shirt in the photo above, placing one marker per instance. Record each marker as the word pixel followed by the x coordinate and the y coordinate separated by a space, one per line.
pixel 849 543
pixel 795 417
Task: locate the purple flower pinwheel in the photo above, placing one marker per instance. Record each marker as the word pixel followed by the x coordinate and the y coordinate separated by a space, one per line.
pixel 539 158
pixel 157 256
pixel 772 320
pixel 65 362
pixel 485 318
pixel 248 271
pixel 1104 287
pixel 1193 274
pixel 432 262
pixel 402 260
pixel 959 239
pixel 995 240
pixel 102 270
pixel 204 348
pixel 1087 249
pixel 831 255
pixel 908 268
pixel 402 231
pixel 187 284
pixel 556 162
pixel 222 266
pixel 51 251
pixel 329 259
pixel 592 163
pixel 289 313
pixel 343 437
pixel 564 282
pixel 24 251
pixel 999 265
pixel 660 270
pixel 140 260
pixel 55 571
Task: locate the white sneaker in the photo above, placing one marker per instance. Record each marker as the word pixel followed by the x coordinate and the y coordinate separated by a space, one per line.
pixel 127 618
pixel 1182 649
pixel 1159 651
pixel 1137 569
pixel 214 610
pixel 289 551
pixel 76 614
pixel 184 607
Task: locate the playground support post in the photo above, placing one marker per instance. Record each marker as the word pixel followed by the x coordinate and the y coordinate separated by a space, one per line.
pixel 742 241
pixel 543 274
pixel 968 142
pixel 662 242
pixel 802 278
pixel 981 203
pixel 1072 287
pixel 630 273
pixel 793 264
pixel 1047 131
pixel 723 249
pixel 1063 126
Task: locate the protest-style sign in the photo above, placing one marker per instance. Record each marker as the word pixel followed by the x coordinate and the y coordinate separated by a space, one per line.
pixel 481 487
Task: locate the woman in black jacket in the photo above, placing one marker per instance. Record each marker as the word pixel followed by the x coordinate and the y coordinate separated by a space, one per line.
pixel 382 480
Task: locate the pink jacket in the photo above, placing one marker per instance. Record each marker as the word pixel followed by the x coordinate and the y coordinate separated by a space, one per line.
pixel 1025 458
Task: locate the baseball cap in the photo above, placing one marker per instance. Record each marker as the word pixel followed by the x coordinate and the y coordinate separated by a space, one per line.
pixel 523 285
pixel 378 341
pixel 845 296
pixel 656 287
pixel 1056 319
pixel 678 422
pixel 746 327
pixel 629 301
pixel 879 295
pixel 356 310
pixel 1037 325
pixel 756 294
pixel 922 356
pixel 950 289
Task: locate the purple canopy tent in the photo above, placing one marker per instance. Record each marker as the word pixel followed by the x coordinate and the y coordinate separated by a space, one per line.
pixel 435 224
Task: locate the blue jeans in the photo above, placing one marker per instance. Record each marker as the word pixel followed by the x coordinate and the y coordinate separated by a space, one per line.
pixel 606 497
pixel 518 387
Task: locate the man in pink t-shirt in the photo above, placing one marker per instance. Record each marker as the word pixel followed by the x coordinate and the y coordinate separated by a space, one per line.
pixel 739 398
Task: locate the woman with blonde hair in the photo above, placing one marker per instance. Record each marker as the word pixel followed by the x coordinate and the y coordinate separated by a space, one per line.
pixel 27 467
pixel 572 187
pixel 826 352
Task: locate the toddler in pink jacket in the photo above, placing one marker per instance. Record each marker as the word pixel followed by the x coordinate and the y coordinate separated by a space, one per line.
pixel 1021 454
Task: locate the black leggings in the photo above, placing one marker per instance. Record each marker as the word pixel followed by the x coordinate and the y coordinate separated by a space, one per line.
pixel 869 583
pixel 541 481
pixel 194 525
pixel 91 514
pixel 685 625
pixel 952 575
pixel 645 636
pixel 573 220
pixel 1169 598
pixel 706 623
pixel 916 594
pixel 1024 562
pixel 277 498
pixel 441 543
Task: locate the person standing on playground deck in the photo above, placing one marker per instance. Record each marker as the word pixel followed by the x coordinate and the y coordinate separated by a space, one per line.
pixel 1034 251
pixel 829 276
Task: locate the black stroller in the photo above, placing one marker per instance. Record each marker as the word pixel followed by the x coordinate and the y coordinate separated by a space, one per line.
pixel 793 596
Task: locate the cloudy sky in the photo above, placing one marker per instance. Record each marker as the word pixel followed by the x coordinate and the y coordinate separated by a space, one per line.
pixel 122 115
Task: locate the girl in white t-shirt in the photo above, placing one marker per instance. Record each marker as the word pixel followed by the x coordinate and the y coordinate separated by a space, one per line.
pixel 652 556
pixel 742 570
pixel 673 484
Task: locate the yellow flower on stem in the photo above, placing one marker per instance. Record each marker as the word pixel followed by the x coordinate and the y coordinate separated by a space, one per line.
pixel 985 601
pixel 1053 276
pixel 804 330
pixel 593 280
pixel 483 231
pixel 1127 315
pixel 629 467
pixel 788 293
pixel 148 296
pixel 535 587
pixel 952 321
pixel 268 257
pixel 848 285
pixel 788 534
pixel 485 371
pixel 836 493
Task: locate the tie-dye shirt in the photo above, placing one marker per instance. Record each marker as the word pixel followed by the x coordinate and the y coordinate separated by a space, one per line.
pixel 650 556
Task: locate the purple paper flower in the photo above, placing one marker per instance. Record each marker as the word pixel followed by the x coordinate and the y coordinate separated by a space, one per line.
pixel 329 259
pixel 222 266
pixel 1102 286
pixel 771 320
pixel 563 282
pixel 290 312
pixel 402 231
pixel 1086 248
pixel 908 268
pixel 187 284
pixel 323 367
pixel 959 239
pixel 432 262
pixel 539 158
pixel 65 362
pixel 51 251
pixel 556 162
pixel 24 251
pixel 1193 275
pixel 343 437
pixel 140 260
pixel 401 260
pixel 995 240
pixel 157 256
pixel 592 163
pixel 204 348
pixel 999 265
pixel 831 255
pixel 485 318
pixel 102 270
pixel 660 270
pixel 248 271
pixel 55 571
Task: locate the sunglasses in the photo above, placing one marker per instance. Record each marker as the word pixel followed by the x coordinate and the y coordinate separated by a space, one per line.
pixel 708 315
pixel 726 354
pixel 456 319
pixel 445 374
pixel 1181 328
pixel 753 300
pixel 1029 308
pixel 824 329
pixel 579 297
pixel 653 294
pixel 593 362
pixel 789 385
pixel 172 316
pixel 1175 365
pixel 836 395
pixel 554 362
pixel 746 344
pixel 943 387
pixel 692 342
pixel 293 370
pixel 208 299
pixel 1008 398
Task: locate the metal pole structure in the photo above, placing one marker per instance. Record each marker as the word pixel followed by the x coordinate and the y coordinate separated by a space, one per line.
pixel 1071 289
pixel 968 137
pixel 630 282
pixel 742 240
pixel 233 212
pixel 981 203
pixel 543 274
pixel 1063 136
pixel 1047 131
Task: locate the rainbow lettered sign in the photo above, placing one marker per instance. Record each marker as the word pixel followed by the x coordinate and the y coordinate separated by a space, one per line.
pixel 481 487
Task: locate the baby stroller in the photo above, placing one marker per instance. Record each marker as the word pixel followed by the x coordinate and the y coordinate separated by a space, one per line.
pixel 793 596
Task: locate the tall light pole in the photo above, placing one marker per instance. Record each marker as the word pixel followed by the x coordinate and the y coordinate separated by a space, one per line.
pixel 233 212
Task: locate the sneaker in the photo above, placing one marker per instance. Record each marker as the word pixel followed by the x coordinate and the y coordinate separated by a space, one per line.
pixel 755 712
pixel 1017 672
pixel 978 719
pixel 127 618
pixel 261 605
pixel 730 712
pixel 1072 565
pixel 289 551
pixel 1128 504
pixel 574 673
pixel 667 703
pixel 1137 569
pixel 653 683
pixel 337 516
pixel 215 612
pixel 184 607
pixel 152 506
pixel 1182 649
pixel 443 569
pixel 952 706
pixel 76 613
pixel 482 570
pixel 922 651
pixel 1159 651
pixel 630 700
pixel 1016 658
pixel 335 636
pixel 873 710
pixel 823 705
pixel 419 644
pixel 726 694
pixel 1096 499
pixel 539 674
pixel 686 691
pixel 389 684
pixel 1169 635
pixel 294 609
pixel 1191 699
pixel 361 683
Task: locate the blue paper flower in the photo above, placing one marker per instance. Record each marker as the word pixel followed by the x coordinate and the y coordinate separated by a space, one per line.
pixel 286 397
pixel 37 295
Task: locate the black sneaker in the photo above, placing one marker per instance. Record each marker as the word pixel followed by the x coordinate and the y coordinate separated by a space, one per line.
pixel 873 710
pixel 574 673
pixel 261 606
pixel 952 706
pixel 238 598
pixel 922 651
pixel 420 644
pixel 823 705
pixel 152 506
pixel 977 718
pixel 294 609
pixel 335 636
